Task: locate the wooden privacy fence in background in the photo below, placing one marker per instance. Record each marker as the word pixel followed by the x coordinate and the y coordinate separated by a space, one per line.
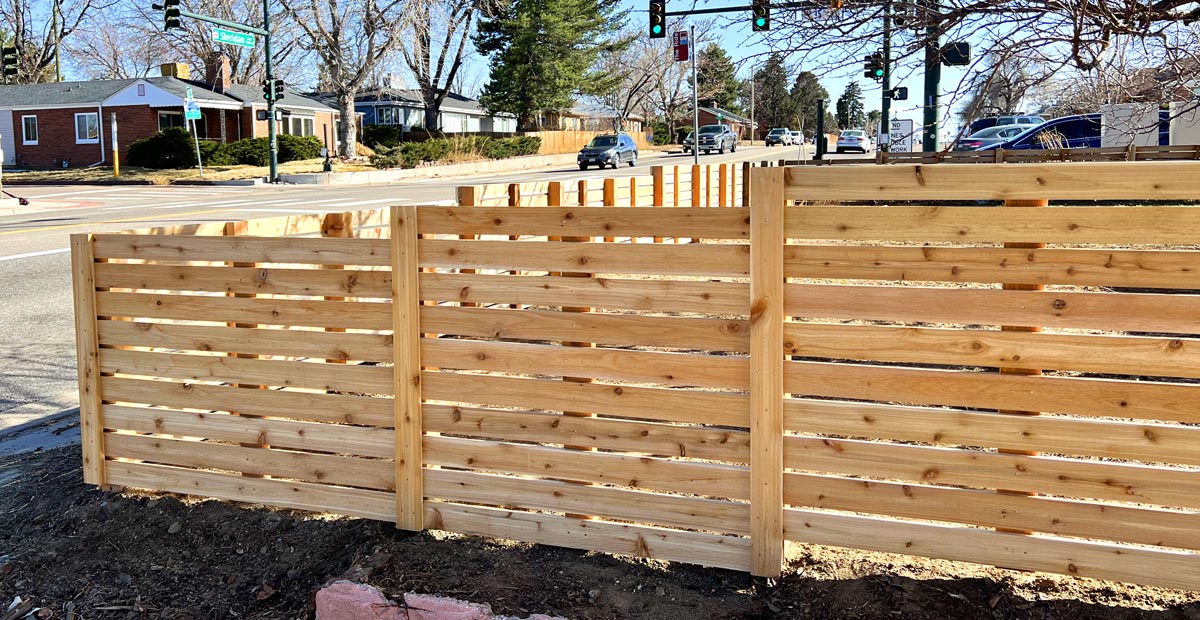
pixel 1010 156
pixel 818 374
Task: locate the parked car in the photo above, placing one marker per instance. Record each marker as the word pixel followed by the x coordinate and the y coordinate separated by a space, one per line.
pixel 991 135
pixel 609 149
pixel 687 142
pixel 854 140
pixel 717 138
pixel 1079 131
pixel 1006 119
pixel 798 137
pixel 779 135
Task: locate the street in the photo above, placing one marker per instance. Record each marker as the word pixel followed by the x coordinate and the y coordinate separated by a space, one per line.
pixel 37 333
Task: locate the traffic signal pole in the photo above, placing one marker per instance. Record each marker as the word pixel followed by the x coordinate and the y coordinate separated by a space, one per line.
pixel 272 139
pixel 885 121
pixel 695 97
pixel 933 76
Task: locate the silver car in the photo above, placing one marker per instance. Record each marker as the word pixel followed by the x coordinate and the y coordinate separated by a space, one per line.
pixel 855 140
pixel 990 136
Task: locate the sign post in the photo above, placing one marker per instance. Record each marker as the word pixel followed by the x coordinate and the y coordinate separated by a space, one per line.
pixel 900 135
pixel 191 113
pixel 116 152
pixel 695 103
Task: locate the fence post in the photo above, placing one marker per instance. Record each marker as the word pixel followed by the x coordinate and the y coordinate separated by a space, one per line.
pixel 657 173
pixel 633 191
pixel 675 183
pixel 467 195
pixel 610 198
pixel 746 166
pixel 766 366
pixel 696 193
pixel 233 229
pixel 87 349
pixel 406 351
pixel 570 274
pixel 722 185
pixel 338 226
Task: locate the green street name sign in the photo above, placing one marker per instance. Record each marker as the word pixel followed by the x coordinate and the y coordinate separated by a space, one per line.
pixel 232 37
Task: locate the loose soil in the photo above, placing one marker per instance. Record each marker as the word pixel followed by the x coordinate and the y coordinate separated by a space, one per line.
pixel 134 555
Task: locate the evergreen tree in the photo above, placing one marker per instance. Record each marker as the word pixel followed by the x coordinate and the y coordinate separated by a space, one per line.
pixel 806 92
pixel 718 80
pixel 542 53
pixel 772 102
pixel 850 112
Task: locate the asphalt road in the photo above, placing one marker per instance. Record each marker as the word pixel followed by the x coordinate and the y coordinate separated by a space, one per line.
pixel 37 334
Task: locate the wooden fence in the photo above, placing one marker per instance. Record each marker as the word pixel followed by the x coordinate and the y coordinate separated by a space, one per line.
pixel 570 141
pixel 918 380
pixel 1007 156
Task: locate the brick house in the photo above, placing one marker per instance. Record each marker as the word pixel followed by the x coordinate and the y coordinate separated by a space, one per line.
pixel 713 116
pixel 69 124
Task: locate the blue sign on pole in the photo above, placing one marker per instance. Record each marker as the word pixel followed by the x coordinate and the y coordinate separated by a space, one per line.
pixel 191 111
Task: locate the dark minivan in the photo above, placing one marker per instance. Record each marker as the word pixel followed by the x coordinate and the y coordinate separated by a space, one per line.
pixel 1080 131
pixel 609 149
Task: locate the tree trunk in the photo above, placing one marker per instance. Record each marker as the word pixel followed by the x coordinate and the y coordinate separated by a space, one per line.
pixel 348 124
pixel 432 109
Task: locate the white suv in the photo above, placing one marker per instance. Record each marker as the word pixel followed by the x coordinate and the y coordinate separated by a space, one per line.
pixel 779 135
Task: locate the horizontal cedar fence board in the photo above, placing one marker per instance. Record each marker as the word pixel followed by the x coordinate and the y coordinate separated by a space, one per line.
pixel 220 368
pixel 279 342
pixel 1178 314
pixel 676 369
pixel 606 537
pixel 311 406
pixel 683 406
pixel 1140 400
pixel 1170 569
pixel 991 470
pixel 584 222
pixel 1133 268
pixel 1102 225
pixel 653 474
pixel 605 502
pixel 990 509
pixel 1122 355
pixel 288 434
pixel 691 260
pixel 286 225
pixel 603 433
pixel 304 466
pixel 379 505
pixel 1098 181
pixel 607 329
pixel 365 252
pixel 1081 437
pixel 609 294
pixel 265 311
pixel 258 280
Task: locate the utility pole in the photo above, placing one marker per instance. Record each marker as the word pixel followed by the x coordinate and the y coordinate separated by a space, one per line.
pixel 933 74
pixel 753 125
pixel 57 41
pixel 886 104
pixel 272 139
pixel 695 46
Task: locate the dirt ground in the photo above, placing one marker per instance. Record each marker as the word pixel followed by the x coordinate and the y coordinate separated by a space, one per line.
pixel 88 554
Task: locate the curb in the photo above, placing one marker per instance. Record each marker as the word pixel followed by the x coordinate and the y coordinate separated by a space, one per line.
pixel 255 182
pixel 18 181
pixel 25 426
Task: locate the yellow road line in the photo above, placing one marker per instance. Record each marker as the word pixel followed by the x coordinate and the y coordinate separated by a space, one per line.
pixel 144 218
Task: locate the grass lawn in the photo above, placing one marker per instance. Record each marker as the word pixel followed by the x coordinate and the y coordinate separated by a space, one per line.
pixel 163 177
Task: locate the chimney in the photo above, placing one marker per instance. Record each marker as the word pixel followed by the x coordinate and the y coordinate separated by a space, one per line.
pixel 216 72
pixel 175 69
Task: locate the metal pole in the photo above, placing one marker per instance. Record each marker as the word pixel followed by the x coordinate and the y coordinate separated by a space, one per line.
pixel 693 46
pixel 753 125
pixel 196 137
pixel 272 139
pixel 886 104
pixel 115 151
pixel 819 140
pixel 933 77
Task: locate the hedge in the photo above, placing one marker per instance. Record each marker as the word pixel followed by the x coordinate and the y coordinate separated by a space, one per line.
pixel 174 147
pixel 412 154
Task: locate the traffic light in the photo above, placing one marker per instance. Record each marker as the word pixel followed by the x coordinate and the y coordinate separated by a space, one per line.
pixel 956 54
pixel 277 89
pixel 170 9
pixel 873 66
pixel 900 93
pixel 658 19
pixel 760 13
pixel 8 59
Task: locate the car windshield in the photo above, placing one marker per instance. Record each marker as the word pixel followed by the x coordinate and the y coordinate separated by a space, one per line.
pixel 777 132
pixel 602 142
pixel 707 129
pixel 990 132
pixel 853 134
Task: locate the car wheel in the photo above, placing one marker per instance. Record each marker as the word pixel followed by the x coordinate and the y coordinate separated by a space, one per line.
pixel 616 161
pixel 721 151
pixel 583 166
pixel 733 149
pixel 707 152
pixel 840 150
pixel 633 162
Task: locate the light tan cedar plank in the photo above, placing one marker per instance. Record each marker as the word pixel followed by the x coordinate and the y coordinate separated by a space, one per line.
pixel 607 329
pixel 652 474
pixel 217 368
pixel 584 222
pixel 1101 438
pixel 310 406
pixel 676 369
pixel 1053 181
pixel 1142 400
pixel 261 281
pixel 1110 311
pixel 1166 357
pixel 607 537
pixel 1131 268
pixel 308 467
pixel 406 374
pixel 276 342
pixel 604 502
pixel 277 433
pixel 1171 569
pixel 87 349
pixel 603 433
pixel 262 311
pixel 1062 517
pixel 363 503
pixel 689 260
pixel 608 294
pixel 313 251
pixel 667 405
pixel 990 470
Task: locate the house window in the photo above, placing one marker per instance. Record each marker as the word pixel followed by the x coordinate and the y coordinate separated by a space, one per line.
pixel 299 126
pixel 170 119
pixel 141 90
pixel 387 116
pixel 87 128
pixel 29 133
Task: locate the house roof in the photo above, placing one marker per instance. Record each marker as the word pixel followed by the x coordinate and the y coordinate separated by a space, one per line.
pixel 291 99
pixel 598 110
pixel 726 114
pixel 412 98
pixel 60 93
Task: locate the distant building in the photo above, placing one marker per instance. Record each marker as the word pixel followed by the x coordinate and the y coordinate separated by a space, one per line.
pixel 740 124
pixel 405 107
pixel 592 117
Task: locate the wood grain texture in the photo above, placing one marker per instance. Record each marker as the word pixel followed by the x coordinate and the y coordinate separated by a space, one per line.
pixel 261 280
pixel 250 311
pixel 583 222
pixel 365 252
pixel 410 496
pixel 274 342
pixel 87 351
pixel 692 260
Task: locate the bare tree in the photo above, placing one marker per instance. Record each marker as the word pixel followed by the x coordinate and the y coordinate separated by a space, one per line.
pixel 38 29
pixel 636 69
pixel 350 38
pixel 438 46
pixel 103 48
pixel 1000 87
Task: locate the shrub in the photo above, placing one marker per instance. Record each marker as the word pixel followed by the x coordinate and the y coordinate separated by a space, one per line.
pixel 170 148
pixel 248 152
pixel 381 135
pixel 298 148
pixel 387 157
pixel 216 154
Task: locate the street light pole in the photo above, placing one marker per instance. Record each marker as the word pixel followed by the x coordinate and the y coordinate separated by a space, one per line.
pixel 695 45
pixel 272 138
pixel 753 125
pixel 886 104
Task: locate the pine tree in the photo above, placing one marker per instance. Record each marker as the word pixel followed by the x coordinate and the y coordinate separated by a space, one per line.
pixel 542 54
pixel 718 79
pixel 806 92
pixel 772 102
pixel 850 112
